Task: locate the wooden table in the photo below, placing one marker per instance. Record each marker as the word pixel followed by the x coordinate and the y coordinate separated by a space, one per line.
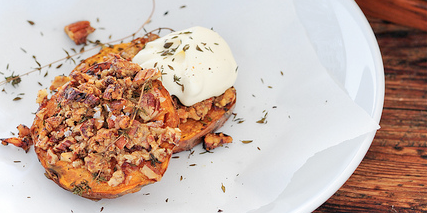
pixel 393 175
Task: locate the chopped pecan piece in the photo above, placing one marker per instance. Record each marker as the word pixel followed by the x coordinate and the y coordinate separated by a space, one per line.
pixel 213 140
pixel 79 31
pixel 59 81
pixel 149 105
pixel 196 111
pixel 23 140
pixel 228 97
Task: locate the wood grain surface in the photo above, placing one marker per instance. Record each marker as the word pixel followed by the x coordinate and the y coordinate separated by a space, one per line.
pixel 412 13
pixel 393 175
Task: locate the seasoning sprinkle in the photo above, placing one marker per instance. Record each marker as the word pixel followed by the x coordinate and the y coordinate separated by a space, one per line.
pixel 81 50
pixel 222 187
pixel 198 48
pixel 176 79
pixel 15 79
pixel 246 141
pixel 263 119
pixel 167 45
pixel 186 47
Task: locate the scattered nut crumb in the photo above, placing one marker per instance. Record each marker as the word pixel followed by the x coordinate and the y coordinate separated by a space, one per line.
pixel 213 140
pixel 79 31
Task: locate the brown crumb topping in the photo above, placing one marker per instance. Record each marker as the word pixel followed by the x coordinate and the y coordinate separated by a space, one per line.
pixel 106 119
pixel 79 31
pixel 214 140
pixel 199 110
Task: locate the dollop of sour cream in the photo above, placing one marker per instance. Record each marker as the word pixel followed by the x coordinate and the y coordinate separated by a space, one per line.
pixel 196 63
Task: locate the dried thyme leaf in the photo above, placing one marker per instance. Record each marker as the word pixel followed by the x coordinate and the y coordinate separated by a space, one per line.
pixel 186 47
pixel 80 188
pixel 176 79
pixel 198 48
pixel 222 187
pixel 263 119
pixel 15 79
pixel 247 141
pixel 167 45
pixel 30 22
pixel 154 160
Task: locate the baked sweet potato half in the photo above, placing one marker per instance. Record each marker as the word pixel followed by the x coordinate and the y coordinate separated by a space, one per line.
pixel 107 132
pixel 195 121
pixel 112 127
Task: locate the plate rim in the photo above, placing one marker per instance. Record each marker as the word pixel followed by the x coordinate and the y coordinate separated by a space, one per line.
pixel 339 181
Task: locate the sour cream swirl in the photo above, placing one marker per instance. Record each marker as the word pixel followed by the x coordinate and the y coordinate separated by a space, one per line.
pixel 196 63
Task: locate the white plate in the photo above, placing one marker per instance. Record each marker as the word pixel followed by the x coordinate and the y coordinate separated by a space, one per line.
pixel 342 39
